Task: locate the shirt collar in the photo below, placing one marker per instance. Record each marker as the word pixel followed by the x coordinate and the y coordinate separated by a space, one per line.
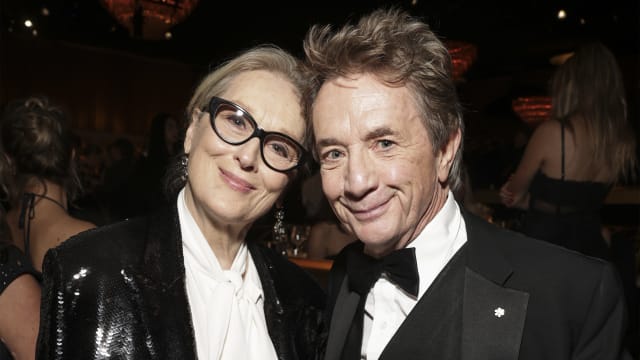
pixel 438 242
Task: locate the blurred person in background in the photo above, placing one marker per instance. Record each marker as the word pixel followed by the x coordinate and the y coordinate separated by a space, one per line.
pixel 327 236
pixel 162 146
pixel 37 141
pixel 117 191
pixel 19 288
pixel 572 161
pixel 91 160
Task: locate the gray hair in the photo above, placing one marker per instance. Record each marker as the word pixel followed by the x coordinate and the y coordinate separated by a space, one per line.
pixel 400 51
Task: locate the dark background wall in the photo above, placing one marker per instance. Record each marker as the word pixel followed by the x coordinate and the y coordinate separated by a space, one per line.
pixel 106 92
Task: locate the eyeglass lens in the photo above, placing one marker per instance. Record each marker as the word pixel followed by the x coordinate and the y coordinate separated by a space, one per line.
pixel 235 127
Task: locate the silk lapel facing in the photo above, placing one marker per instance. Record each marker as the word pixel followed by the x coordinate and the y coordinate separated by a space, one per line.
pixel 341 319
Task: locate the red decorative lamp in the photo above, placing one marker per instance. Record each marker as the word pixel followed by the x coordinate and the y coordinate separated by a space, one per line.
pixel 149 19
pixel 532 109
pixel 462 57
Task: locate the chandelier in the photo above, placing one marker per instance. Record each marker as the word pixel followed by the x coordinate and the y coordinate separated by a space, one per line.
pixel 462 57
pixel 532 109
pixel 149 19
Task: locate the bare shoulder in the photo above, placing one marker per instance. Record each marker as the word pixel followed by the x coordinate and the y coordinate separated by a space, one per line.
pixel 546 139
pixel 73 226
pixel 547 129
pixel 24 286
pixel 81 225
pixel 19 312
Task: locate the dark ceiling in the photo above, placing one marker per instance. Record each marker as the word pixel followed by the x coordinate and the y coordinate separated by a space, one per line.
pixel 512 36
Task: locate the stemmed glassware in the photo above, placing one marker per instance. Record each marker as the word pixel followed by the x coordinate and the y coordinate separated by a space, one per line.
pixel 297 237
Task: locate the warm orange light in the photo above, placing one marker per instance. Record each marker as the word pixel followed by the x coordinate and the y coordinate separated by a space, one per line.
pixel 149 19
pixel 532 109
pixel 462 57
pixel 560 58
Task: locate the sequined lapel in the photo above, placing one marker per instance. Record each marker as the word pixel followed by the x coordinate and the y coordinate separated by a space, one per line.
pixel 158 286
pixel 273 307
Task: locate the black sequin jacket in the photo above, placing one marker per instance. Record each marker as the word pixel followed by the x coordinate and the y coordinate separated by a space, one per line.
pixel 118 292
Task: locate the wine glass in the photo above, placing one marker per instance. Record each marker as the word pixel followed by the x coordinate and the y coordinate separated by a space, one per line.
pixel 297 237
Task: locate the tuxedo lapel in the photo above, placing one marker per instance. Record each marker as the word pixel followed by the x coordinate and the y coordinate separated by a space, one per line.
pixel 493 319
pixel 493 315
pixel 432 329
pixel 157 284
pixel 341 319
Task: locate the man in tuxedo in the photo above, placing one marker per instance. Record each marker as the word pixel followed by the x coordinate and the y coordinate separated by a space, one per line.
pixel 428 280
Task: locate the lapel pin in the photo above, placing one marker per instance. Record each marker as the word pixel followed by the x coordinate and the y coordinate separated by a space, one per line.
pixel 498 312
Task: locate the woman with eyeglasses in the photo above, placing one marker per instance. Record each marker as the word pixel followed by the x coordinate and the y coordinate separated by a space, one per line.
pixel 186 282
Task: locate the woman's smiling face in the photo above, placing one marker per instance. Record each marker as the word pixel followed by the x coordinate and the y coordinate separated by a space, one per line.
pixel 231 184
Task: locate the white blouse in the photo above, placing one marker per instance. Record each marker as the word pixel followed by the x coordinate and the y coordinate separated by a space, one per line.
pixel 226 305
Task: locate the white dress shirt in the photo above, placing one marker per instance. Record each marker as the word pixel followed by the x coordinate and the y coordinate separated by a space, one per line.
pixel 387 305
pixel 226 305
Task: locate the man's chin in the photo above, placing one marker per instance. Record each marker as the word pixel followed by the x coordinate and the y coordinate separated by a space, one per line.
pixel 378 245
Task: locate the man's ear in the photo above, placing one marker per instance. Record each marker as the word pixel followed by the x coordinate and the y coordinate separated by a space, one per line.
pixel 448 154
pixel 194 123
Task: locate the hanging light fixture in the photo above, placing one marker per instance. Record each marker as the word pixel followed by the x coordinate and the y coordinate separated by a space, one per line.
pixel 532 109
pixel 462 57
pixel 149 19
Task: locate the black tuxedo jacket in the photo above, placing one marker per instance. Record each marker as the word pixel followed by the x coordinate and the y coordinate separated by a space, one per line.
pixel 555 303
pixel 118 292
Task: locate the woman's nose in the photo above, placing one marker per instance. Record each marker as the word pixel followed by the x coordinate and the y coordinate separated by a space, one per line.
pixel 248 154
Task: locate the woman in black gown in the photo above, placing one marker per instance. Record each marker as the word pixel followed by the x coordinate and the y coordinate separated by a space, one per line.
pixel 572 161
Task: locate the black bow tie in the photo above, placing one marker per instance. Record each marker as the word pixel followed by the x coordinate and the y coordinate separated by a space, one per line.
pixel 400 266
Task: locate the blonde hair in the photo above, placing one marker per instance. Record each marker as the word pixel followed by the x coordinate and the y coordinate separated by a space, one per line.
pixel 589 88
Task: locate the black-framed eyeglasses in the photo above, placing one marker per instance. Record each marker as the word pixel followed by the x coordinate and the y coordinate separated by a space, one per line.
pixel 235 126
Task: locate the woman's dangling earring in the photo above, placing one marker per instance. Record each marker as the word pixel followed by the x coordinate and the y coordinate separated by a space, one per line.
pixel 279 230
pixel 184 167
